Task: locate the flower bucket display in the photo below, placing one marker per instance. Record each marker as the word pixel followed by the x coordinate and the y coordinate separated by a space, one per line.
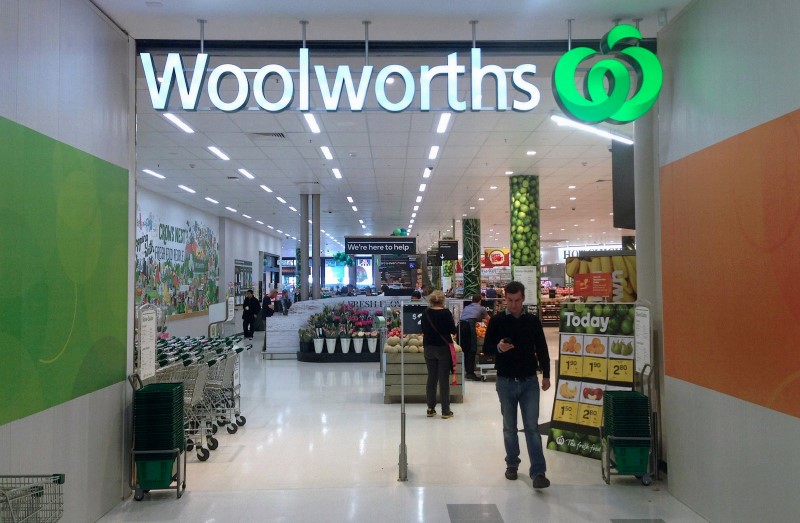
pixel 372 344
pixel 358 343
pixel 318 343
pixel 345 345
pixel 330 344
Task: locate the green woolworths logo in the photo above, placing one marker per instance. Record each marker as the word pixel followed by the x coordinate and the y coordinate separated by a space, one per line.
pixel 611 104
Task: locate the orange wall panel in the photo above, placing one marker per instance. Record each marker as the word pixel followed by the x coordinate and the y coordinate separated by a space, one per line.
pixel 730 226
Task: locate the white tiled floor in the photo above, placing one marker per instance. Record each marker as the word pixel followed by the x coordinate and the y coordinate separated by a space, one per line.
pixel 320 445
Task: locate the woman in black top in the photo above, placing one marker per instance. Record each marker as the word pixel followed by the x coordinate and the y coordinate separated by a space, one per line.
pixel 437 327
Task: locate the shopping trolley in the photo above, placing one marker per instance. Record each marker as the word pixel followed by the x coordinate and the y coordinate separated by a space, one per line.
pixel 32 499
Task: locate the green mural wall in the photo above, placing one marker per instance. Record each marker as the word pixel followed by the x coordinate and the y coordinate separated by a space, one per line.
pixel 63 272
pixel 471 262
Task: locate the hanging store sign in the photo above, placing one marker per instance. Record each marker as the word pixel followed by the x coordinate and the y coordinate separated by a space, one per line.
pixel 607 85
pixel 189 92
pixel 448 250
pixel 380 245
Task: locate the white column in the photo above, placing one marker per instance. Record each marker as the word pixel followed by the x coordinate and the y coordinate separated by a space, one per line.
pixel 303 261
pixel 316 246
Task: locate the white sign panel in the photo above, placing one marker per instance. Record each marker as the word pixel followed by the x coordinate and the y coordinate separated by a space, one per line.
pixel 447 283
pixel 147 344
pixel 231 312
pixel 526 275
pixel 642 331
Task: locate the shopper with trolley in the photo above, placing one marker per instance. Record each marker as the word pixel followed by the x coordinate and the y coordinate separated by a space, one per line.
pixel 518 340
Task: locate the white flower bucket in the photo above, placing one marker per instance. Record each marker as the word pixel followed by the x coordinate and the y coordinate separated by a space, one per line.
pixel 330 344
pixel 357 344
pixel 372 343
pixel 318 343
pixel 345 345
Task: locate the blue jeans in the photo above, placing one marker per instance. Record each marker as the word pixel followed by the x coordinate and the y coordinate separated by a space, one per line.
pixel 525 393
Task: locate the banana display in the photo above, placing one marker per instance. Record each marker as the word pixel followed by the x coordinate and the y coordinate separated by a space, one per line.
pixel 567 392
pixel 623 269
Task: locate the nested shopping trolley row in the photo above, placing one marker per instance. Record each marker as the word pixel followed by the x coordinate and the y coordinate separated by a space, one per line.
pixel 195 391
pixel 31 498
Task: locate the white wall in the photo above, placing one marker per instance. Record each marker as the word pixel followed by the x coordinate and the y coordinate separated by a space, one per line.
pixel 64 72
pixel 240 242
pixel 729 65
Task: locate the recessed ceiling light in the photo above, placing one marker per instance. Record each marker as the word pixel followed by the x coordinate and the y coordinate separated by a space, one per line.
pixel 459 220
pixel 472 208
pixel 368 234
pixel 337 174
pixel 419 199
pixel 480 199
pixel 219 154
pixel 575 225
pixel 266 188
pixel 363 226
pixel 562 229
pixel 611 214
pixel 212 200
pixel 292 209
pixel 530 153
pixel 552 233
pixel 591 220
pixel 246 174
pixel 426 173
pixel 509 173
pixel 326 152
pixel 422 187
pixel 411 220
pixel 280 199
pixel 355 209
pixel 493 187
pixel 259 221
pixel 270 226
pixel 491 230
pixel 433 152
pixel 180 124
pixel 570 187
pixel 153 173
pixel 414 215
pixel 280 231
pixel 246 216
pixel 552 206
pixel 231 209
pixel 416 208
pixel 443 121
pixel 573 198
pixel 187 189
pixel 464 215
pixel 312 123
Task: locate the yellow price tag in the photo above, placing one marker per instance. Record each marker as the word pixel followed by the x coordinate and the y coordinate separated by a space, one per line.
pixel 594 368
pixel 620 371
pixel 571 366
pixel 590 415
pixel 565 411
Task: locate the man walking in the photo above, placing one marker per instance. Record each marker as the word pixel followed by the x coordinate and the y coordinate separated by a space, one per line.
pixel 518 340
pixel 250 310
pixel 468 339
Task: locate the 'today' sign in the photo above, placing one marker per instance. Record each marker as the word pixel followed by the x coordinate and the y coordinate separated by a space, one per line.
pixel 331 94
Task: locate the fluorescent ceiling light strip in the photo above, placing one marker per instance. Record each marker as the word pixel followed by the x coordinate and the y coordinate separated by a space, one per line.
pixel 246 174
pixel 260 222
pixel 312 123
pixel 231 209
pixel 292 208
pixel 270 226
pixel 355 209
pixel 281 199
pixel 153 173
pixel 422 187
pixel 443 121
pixel 561 121
pixel 413 215
pixel 419 199
pixel 326 152
pixel 187 189
pixel 266 188
pixel 177 122
pixel 246 216
pixel 361 221
pixel 280 231
pixel 219 154
pixel 426 173
pixel 363 226
pixel 531 153
pixel 350 199
pixel 416 208
pixel 337 174
pixel 434 152
pixel 212 200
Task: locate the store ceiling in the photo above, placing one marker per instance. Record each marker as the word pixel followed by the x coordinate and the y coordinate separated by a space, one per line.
pixel 380 155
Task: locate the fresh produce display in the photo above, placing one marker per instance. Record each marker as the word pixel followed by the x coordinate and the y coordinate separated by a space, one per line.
pixel 566 391
pixel 622 268
pixel 406 343
pixel 593 393
pixel 622 348
pixel 571 345
pixel 524 220
pixel 595 347
pixel 480 329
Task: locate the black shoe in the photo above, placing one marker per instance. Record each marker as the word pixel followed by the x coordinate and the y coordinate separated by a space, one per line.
pixel 511 473
pixel 431 413
pixel 540 481
pixel 447 415
pixel 473 377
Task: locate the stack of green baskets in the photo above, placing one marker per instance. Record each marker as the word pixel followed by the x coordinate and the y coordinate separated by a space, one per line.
pixel 158 425
pixel 626 414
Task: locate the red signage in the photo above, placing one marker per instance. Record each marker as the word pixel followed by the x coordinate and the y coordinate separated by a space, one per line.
pixel 495 258
pixel 597 284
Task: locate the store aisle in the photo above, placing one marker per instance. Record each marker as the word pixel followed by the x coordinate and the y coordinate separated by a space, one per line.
pixel 320 445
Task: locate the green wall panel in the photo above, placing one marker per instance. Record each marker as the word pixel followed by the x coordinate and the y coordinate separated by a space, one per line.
pixel 63 272
pixel 471 262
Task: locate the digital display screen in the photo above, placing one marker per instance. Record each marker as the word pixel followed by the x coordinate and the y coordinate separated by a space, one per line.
pixel 364 272
pixel 336 274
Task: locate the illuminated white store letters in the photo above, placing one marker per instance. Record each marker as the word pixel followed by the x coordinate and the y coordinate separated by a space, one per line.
pixel 189 94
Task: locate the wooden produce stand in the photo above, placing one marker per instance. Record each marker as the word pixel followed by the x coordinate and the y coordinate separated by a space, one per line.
pixel 416 378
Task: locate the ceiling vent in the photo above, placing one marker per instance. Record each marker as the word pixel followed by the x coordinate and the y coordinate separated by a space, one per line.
pixel 274 136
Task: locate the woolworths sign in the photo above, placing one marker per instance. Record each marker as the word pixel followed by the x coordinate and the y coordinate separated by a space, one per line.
pixel 609 92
